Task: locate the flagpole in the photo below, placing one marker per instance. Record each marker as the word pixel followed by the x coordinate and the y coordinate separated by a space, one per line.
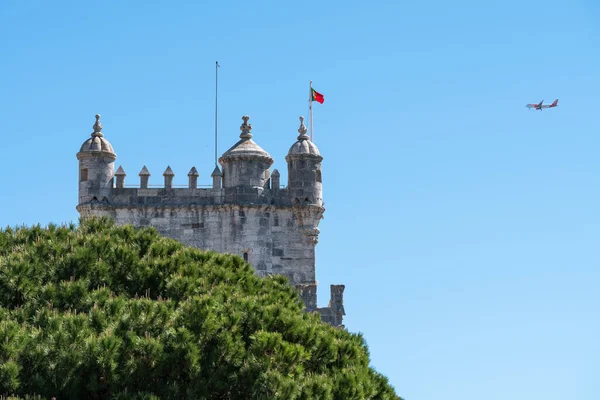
pixel 310 96
pixel 216 106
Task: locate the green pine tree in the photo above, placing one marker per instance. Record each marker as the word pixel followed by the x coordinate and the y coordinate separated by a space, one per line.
pixel 99 311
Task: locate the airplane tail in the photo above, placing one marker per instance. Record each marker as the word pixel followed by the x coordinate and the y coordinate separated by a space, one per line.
pixel 554 104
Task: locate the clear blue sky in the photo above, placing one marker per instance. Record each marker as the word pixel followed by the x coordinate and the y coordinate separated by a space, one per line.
pixel 465 227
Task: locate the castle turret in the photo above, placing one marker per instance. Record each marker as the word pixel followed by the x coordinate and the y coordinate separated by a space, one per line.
pixel 304 170
pixel 246 163
pixel 96 166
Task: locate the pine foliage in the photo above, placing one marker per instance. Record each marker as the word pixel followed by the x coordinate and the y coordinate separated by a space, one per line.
pixel 99 311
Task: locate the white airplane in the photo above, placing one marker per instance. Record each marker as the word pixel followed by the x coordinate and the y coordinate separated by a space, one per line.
pixel 540 106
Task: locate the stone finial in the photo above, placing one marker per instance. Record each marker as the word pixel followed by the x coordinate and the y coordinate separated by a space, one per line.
pixel 193 178
pixel 144 177
pixel 97 127
pixel 276 173
pixel 302 130
pixel 246 128
pixel 168 174
pixel 120 174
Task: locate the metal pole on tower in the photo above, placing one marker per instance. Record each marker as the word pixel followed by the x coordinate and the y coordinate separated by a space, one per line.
pixel 310 119
pixel 216 106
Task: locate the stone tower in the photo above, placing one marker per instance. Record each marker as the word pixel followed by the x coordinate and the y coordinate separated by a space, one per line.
pixel 304 170
pixel 96 165
pixel 245 212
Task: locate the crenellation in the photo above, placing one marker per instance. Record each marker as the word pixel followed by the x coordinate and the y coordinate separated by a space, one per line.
pixel 120 175
pixel 308 293
pixel 245 212
pixel 144 177
pixel 193 178
pixel 275 183
pixel 217 176
pixel 168 175
pixel 334 312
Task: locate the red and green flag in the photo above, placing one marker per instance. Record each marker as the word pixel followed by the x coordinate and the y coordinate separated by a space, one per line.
pixel 316 96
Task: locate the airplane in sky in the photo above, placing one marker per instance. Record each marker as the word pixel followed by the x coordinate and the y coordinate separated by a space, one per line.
pixel 540 105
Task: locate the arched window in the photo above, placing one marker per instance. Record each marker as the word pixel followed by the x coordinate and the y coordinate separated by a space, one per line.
pixel 84 175
pixel 319 176
pixel 246 256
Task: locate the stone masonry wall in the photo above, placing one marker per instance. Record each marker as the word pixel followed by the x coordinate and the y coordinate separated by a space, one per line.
pixel 267 236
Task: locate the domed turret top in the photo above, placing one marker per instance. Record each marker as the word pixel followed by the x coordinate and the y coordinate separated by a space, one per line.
pixel 303 146
pixel 245 148
pixel 97 143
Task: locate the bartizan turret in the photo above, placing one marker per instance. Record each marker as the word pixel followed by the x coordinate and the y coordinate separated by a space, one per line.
pixel 246 163
pixel 304 170
pixel 96 167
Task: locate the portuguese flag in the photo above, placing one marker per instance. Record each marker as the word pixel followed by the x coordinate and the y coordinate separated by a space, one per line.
pixel 316 96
